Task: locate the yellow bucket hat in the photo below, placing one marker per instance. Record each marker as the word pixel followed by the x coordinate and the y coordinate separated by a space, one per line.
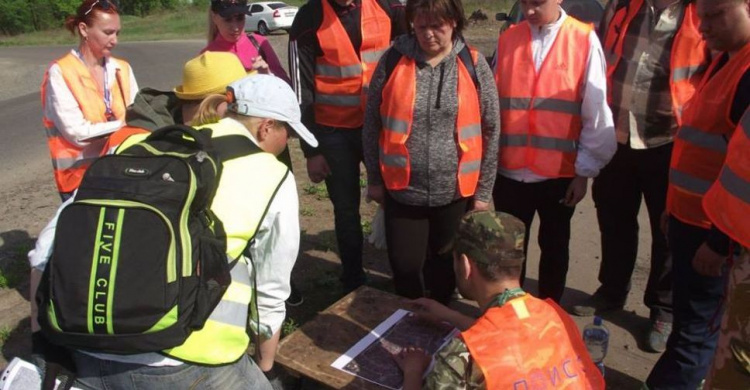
pixel 209 73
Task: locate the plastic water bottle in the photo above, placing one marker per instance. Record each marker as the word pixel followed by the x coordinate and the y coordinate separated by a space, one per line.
pixel 596 338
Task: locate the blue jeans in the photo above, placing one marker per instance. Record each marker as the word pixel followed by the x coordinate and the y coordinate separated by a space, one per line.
pixel 342 149
pixel 96 373
pixel 696 303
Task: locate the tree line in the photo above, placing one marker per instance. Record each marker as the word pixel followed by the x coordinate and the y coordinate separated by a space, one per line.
pixel 21 16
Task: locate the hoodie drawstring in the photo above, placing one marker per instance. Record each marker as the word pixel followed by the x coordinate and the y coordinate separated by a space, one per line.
pixel 440 85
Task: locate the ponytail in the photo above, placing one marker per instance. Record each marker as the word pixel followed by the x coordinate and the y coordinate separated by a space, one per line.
pixel 208 111
pixel 87 11
pixel 213 29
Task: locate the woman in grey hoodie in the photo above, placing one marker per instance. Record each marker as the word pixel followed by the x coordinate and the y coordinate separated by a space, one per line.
pixel 430 142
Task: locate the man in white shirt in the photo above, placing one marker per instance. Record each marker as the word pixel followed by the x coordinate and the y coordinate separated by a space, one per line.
pixel 557 130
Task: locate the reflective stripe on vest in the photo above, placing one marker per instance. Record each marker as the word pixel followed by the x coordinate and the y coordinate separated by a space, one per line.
pixel 563 145
pixel 688 59
pixel 727 203
pixel 715 142
pixel 224 338
pixel 338 100
pixel 70 161
pixel 526 336
pixel 541 111
pixel 549 104
pixel 700 146
pixel 735 184
pixel 397 115
pixel 688 182
pixel 341 77
pixel 338 71
pixel 688 72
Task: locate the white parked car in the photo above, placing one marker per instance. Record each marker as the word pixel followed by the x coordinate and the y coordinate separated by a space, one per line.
pixel 269 16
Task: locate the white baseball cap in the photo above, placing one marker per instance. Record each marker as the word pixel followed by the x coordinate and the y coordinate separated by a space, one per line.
pixel 266 96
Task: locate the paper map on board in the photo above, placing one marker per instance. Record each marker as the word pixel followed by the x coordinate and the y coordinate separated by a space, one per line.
pixel 372 357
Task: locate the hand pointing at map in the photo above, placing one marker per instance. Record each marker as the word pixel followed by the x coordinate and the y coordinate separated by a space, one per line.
pixel 437 312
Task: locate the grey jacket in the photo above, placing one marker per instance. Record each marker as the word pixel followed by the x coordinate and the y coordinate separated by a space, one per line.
pixel 432 142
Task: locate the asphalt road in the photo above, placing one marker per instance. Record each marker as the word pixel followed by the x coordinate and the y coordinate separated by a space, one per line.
pixel 23 151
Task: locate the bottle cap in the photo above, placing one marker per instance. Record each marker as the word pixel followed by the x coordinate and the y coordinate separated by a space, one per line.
pixel 597 320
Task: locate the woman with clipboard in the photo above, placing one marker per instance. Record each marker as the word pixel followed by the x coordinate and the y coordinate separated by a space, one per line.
pixel 85 93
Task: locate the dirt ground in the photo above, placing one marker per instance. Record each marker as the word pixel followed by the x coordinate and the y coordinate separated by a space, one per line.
pixel 317 269
pixel 26 209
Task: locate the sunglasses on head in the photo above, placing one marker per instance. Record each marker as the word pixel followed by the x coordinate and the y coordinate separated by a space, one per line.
pixel 103 4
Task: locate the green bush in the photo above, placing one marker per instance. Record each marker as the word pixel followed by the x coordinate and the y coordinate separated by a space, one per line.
pixel 22 16
pixel 146 7
pixel 14 17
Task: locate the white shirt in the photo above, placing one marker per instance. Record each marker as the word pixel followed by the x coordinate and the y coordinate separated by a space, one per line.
pixel 61 107
pixel 597 143
pixel 274 250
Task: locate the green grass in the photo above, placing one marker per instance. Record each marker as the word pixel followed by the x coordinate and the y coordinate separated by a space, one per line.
pixel 288 327
pixel 4 334
pixel 306 211
pixel 327 281
pixel 366 227
pixel 187 22
pixel 326 242
pixel 319 191
pixel 13 272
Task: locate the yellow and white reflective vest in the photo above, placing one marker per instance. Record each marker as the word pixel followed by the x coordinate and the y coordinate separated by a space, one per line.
pixel 223 338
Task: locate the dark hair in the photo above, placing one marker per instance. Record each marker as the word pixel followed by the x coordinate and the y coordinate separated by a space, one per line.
pixel 86 12
pixel 496 271
pixel 447 10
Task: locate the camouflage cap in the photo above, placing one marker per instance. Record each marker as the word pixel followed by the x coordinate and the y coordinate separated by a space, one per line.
pixel 491 237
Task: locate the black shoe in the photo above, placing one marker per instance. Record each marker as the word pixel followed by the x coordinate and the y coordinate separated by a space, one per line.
pixel 596 304
pixel 295 297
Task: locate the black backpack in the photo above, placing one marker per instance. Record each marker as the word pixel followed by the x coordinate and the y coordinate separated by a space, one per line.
pixel 139 260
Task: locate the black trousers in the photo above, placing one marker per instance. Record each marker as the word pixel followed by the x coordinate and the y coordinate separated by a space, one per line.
pixel 420 247
pixel 342 149
pixel 617 194
pixel 523 200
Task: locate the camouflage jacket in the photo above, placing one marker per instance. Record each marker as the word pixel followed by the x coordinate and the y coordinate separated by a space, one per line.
pixel 454 368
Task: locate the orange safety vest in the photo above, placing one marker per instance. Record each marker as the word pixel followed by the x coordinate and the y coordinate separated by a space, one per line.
pixel 529 343
pixel 700 145
pixel 727 203
pixel 688 59
pixel 397 116
pixel 541 112
pixel 341 77
pixel 119 136
pixel 70 161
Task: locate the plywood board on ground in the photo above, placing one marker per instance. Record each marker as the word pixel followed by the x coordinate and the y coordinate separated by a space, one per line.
pixel 311 349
